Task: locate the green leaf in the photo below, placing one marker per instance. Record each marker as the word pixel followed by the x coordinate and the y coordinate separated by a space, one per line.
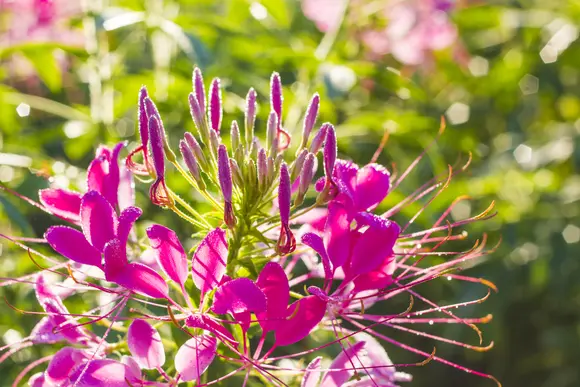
pixel 47 67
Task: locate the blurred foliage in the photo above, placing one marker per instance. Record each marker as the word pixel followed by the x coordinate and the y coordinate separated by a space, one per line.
pixel 512 101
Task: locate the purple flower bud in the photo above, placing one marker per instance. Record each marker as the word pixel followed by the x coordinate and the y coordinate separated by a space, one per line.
pixel 254 148
pixel 250 115
pixel 310 119
pixel 235 136
pixel 276 98
pixel 236 173
pixel 196 149
pixel 141 169
pixel 191 163
pixel 306 175
pixel 152 111
pixel 319 138
pixel 297 166
pixel 158 193
pixel 271 134
pixel 198 116
pixel 215 105
pixel 271 170
pixel 214 141
pixel 198 88
pixel 225 179
pixel 262 169
pixel 329 153
pixel 286 242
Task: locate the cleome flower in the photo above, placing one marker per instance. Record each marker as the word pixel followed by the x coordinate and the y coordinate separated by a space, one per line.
pixel 283 269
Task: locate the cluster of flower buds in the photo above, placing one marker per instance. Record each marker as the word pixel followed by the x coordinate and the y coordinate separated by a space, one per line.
pixel 246 290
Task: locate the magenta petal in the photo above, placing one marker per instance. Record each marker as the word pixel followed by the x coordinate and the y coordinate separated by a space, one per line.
pixel 345 174
pixel 126 192
pixel 169 252
pixel 337 234
pixel 97 173
pixel 62 363
pixel 237 296
pixel 209 261
pixel 115 260
pixel 379 278
pixel 38 380
pixel 145 345
pixel 208 324
pixel 374 245
pixel 43 332
pixel 100 373
pixel 304 314
pixel 312 375
pixel 143 280
pixel 62 203
pixel 98 219
pixel 344 362
pixel 316 243
pixel 274 283
pixel 111 187
pixel 126 220
pixel 372 186
pixel 133 369
pixel 72 244
pixel 194 357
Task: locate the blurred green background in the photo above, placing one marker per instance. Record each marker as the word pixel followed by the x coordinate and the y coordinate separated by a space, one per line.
pixel 509 88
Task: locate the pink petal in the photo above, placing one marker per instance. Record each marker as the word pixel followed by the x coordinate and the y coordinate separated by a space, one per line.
pixel 344 362
pixel 98 219
pixel 344 174
pixel 372 186
pixel 274 284
pixel 126 220
pixel 145 345
pixel 72 244
pixel 100 373
pixel 237 296
pixel 208 324
pixel 43 332
pixel 209 261
pixel 133 369
pixel 112 180
pixel 38 380
pixel 312 376
pixel 62 203
pixel 304 314
pixel 115 260
pixel 374 245
pixel 169 252
pixel 143 280
pixel 97 173
pixel 379 278
pixel 126 192
pixel 62 364
pixel 316 243
pixel 337 234
pixel 194 357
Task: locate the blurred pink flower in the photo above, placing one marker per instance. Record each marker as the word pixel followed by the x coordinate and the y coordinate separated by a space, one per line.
pixel 414 27
pixel 40 21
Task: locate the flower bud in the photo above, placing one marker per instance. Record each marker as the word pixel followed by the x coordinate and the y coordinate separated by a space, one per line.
pixel 319 138
pixel 145 168
pixel 309 119
pixel 191 163
pixel 198 88
pixel 297 166
pixel 215 111
pixel 235 136
pixel 250 115
pixel 252 176
pixel 286 242
pixel 329 156
pixel 214 141
pixel 239 156
pixel 276 100
pixel 306 175
pixel 271 171
pixel 271 134
pixel 254 148
pixel 262 169
pixel 236 173
pixel 198 116
pixel 225 180
pixel 196 149
pixel 158 193
pixel 151 111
